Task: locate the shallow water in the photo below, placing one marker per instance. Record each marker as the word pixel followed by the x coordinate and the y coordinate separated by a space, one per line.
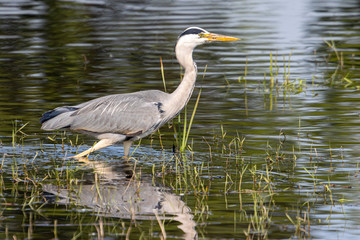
pixel 290 98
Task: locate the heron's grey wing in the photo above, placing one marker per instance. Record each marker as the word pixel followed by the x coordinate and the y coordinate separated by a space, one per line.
pixel 124 114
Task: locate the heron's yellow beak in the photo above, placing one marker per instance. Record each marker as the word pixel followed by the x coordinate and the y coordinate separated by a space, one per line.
pixel 217 37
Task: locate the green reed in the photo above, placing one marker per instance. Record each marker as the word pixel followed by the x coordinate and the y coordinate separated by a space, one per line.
pixel 341 76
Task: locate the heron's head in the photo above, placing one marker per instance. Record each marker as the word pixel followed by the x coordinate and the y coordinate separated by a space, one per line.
pixel 194 36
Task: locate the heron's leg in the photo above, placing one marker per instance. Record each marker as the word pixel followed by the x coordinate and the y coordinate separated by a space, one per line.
pixel 101 144
pixel 127 145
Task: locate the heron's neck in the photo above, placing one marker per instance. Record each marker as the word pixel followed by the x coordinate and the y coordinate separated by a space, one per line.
pixel 183 92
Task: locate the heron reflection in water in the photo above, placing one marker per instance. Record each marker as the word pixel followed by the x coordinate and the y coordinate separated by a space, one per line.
pixel 115 191
pixel 131 116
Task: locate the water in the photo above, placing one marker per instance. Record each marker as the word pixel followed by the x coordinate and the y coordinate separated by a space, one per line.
pixel 298 164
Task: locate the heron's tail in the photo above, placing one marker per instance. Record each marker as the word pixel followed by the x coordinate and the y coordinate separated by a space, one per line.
pixel 57 118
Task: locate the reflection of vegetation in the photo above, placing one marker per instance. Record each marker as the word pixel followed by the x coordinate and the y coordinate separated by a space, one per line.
pixel 42 59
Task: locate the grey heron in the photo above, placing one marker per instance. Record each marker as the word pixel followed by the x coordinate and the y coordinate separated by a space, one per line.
pixel 131 116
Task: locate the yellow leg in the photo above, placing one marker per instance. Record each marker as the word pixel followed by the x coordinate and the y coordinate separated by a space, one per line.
pixel 101 144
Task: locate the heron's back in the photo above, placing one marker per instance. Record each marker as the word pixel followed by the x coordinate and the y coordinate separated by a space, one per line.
pixel 119 113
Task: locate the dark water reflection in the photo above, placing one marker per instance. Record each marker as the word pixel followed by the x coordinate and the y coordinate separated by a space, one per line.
pixel 119 191
pixel 64 52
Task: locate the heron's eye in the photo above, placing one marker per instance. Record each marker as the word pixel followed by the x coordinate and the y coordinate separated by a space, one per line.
pixel 202 35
